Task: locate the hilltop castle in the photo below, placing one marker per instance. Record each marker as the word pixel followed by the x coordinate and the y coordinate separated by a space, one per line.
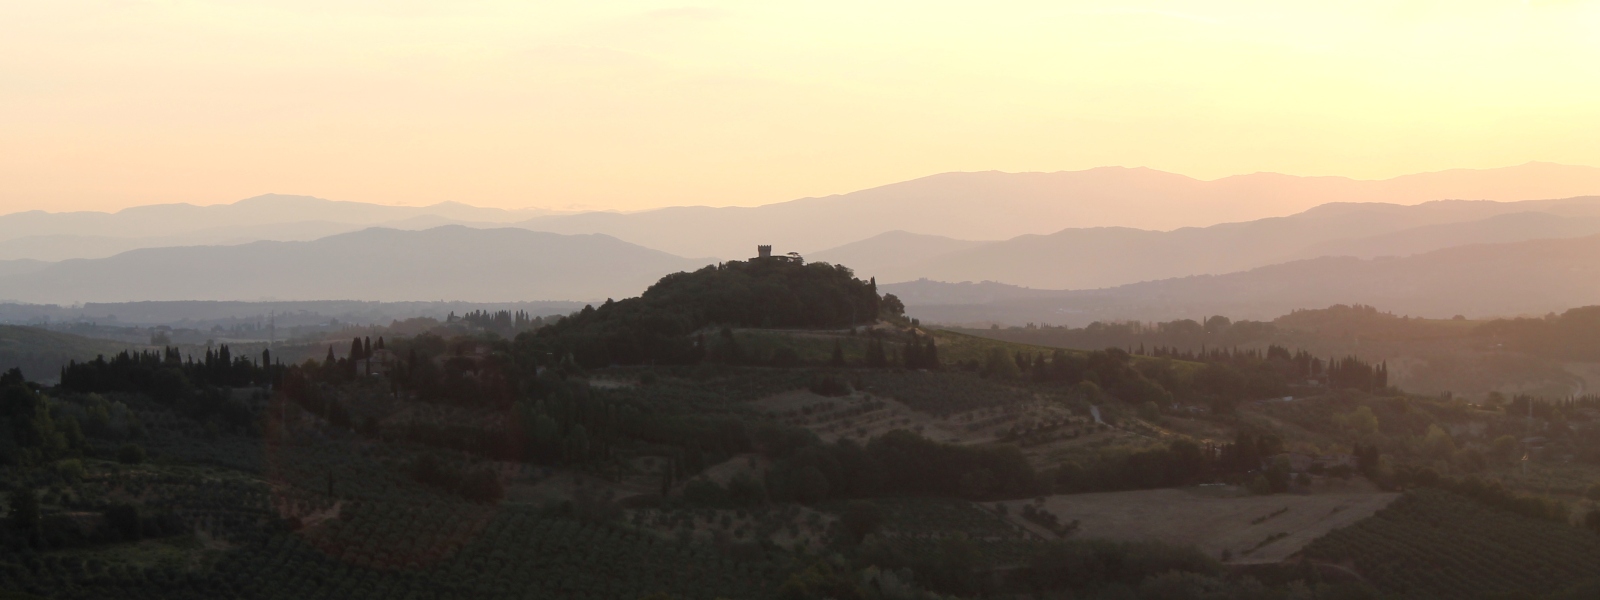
pixel 764 252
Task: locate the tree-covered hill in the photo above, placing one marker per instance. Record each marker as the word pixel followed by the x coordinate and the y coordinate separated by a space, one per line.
pixel 660 325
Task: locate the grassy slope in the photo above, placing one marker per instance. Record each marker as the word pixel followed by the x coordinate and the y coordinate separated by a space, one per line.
pixel 41 353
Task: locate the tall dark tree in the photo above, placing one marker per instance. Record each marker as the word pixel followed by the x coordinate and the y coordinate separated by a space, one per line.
pixel 838 355
pixel 877 358
pixel 912 354
pixel 24 512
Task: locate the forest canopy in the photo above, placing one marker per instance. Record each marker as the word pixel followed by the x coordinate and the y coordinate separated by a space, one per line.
pixel 657 326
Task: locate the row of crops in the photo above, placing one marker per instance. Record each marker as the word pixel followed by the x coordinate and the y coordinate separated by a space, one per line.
pixel 377 535
pixel 943 394
pixel 1432 543
pixel 516 552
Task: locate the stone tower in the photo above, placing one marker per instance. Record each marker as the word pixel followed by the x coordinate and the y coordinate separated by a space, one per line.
pixel 764 251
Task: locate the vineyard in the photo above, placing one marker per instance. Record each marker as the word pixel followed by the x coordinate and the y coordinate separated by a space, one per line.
pixel 341 520
pixel 424 552
pixel 1432 543
pixel 945 394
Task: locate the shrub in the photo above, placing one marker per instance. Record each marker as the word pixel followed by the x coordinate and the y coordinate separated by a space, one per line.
pixel 70 469
pixel 131 454
pixel 704 492
pixel 829 386
pixel 122 522
pixel 482 486
pixel 859 519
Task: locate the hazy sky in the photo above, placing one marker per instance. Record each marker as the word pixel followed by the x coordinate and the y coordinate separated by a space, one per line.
pixel 634 104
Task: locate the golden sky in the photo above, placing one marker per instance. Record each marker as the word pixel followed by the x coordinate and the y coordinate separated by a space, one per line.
pixel 108 104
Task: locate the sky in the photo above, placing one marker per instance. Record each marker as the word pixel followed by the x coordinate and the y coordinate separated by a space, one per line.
pixel 629 105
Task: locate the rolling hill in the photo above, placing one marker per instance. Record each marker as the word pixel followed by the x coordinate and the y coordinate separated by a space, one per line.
pixel 1004 205
pixel 892 252
pixel 961 206
pixel 1529 277
pixel 48 236
pixel 1110 256
pixel 451 262
pixel 996 205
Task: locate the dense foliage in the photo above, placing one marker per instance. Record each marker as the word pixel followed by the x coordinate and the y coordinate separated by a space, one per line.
pixel 657 326
pixel 1572 335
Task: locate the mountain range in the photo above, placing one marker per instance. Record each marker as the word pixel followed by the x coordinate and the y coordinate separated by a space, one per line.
pixel 962 206
pixel 1099 257
pixel 1531 277
pixel 998 206
pixel 40 235
pixel 449 262
pixel 916 237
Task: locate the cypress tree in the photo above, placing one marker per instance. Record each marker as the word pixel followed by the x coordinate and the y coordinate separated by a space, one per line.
pixel 913 354
pixel 876 358
pixel 24 510
pixel 838 355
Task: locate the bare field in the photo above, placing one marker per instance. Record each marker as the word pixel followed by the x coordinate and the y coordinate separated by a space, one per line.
pixel 1215 519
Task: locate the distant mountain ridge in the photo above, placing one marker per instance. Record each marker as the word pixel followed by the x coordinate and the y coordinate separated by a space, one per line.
pixel 1099 257
pixel 892 252
pixel 960 206
pixel 1479 280
pixel 48 236
pixel 443 263
pixel 997 206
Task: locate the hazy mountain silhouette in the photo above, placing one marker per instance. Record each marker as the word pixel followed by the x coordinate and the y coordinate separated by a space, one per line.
pixel 58 247
pixel 58 236
pixel 1528 277
pixel 1110 256
pixel 891 252
pixel 14 267
pixel 995 205
pixel 1513 227
pixel 962 206
pixel 444 263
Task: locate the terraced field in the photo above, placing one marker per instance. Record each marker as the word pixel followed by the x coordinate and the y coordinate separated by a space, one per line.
pixel 1214 519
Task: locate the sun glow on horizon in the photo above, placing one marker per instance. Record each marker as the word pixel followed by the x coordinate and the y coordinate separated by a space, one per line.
pixel 629 105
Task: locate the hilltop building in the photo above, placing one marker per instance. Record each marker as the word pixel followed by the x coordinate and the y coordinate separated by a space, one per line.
pixel 764 252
